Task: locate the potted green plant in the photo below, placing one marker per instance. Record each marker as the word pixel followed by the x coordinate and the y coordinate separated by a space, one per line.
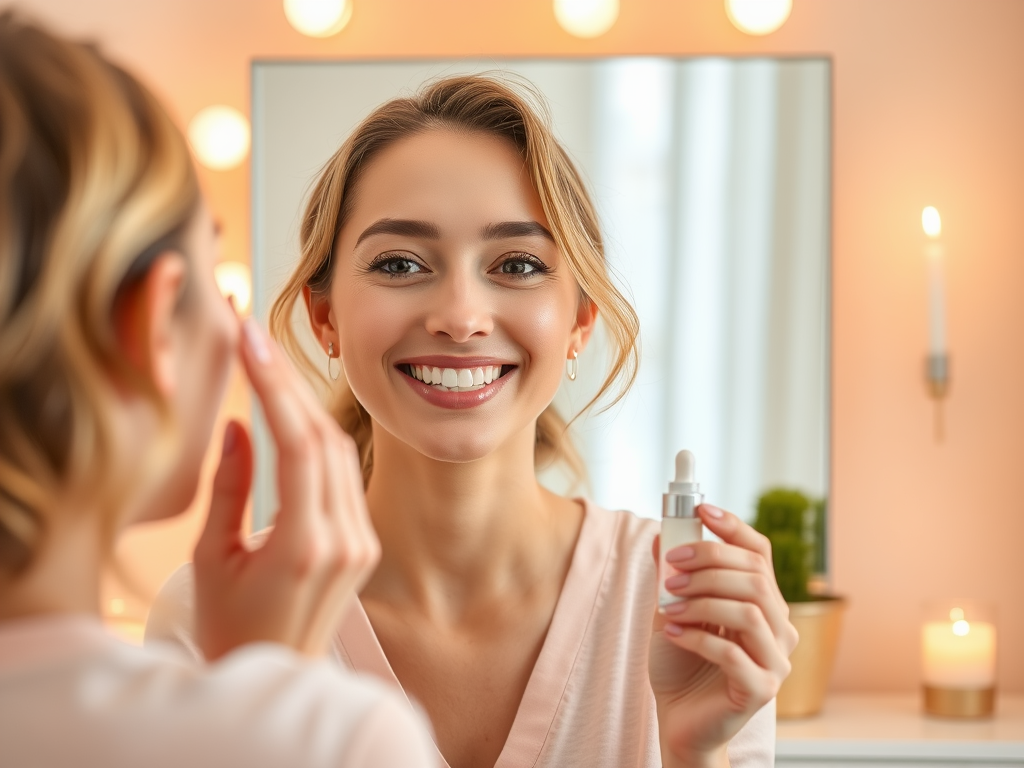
pixel 795 526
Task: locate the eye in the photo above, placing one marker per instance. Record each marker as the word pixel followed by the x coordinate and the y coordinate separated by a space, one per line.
pixel 395 266
pixel 522 265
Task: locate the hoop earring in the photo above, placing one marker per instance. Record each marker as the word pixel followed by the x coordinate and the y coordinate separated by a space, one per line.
pixel 330 356
pixel 572 366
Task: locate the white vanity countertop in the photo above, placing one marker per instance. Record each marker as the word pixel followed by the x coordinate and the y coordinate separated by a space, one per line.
pixel 892 726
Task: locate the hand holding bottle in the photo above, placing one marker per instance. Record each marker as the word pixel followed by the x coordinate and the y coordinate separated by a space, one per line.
pixel 295 587
pixel 720 654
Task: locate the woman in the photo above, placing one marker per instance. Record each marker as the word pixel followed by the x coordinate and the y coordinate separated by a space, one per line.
pixel 452 260
pixel 115 346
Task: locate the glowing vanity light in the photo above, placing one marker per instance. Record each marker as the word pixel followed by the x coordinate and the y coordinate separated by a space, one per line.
pixel 958 651
pixel 586 18
pixel 758 17
pixel 219 136
pixel 318 18
pixel 937 369
pixel 235 281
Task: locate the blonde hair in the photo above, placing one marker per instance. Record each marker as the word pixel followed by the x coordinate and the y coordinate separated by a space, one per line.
pixel 95 182
pixel 466 103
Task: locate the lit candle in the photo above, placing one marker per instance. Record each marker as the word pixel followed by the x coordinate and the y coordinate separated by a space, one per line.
pixel 931 222
pixel 959 654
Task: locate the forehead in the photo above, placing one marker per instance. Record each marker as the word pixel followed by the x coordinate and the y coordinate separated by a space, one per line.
pixel 449 177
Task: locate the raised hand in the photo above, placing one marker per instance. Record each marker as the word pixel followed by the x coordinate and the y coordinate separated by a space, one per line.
pixel 294 588
pixel 720 654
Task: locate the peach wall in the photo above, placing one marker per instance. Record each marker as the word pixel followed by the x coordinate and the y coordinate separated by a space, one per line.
pixel 928 110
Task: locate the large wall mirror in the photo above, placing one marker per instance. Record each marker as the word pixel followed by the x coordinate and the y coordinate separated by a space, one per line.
pixel 712 179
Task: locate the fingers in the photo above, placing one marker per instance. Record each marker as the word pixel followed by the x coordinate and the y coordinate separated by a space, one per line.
pixel 744 619
pixel 732 530
pixel 753 588
pixel 300 462
pixel 223 529
pixel 750 686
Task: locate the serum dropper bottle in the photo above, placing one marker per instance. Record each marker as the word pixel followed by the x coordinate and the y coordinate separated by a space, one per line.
pixel 679 521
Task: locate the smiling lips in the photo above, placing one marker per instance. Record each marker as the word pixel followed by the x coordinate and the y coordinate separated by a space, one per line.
pixel 456 387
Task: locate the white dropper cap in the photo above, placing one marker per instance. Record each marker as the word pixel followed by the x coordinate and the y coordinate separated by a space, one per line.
pixel 686 471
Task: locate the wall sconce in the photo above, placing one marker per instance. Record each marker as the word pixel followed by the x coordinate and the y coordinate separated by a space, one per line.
pixel 219 136
pixel 318 18
pixel 234 279
pixel 758 17
pixel 937 365
pixel 586 18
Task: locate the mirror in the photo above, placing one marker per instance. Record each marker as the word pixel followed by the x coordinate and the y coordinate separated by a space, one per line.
pixel 711 177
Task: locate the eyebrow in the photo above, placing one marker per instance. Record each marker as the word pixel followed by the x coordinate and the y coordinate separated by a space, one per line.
pixel 502 230
pixel 507 229
pixel 407 227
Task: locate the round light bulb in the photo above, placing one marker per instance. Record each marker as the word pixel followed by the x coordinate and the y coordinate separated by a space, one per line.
pixel 931 222
pixel 961 628
pixel 235 282
pixel 219 136
pixel 758 17
pixel 586 18
pixel 318 18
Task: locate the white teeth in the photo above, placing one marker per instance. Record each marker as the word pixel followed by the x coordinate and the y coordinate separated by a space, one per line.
pixel 456 379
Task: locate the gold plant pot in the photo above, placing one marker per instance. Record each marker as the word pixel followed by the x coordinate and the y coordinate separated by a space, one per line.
pixel 818 623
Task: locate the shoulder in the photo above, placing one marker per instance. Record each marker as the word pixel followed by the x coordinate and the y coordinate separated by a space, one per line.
pixel 627 536
pixel 259 706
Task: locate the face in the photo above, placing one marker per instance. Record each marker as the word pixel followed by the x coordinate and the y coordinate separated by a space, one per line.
pixel 452 307
pixel 203 338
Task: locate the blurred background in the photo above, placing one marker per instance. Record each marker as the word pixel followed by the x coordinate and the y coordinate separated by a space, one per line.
pixel 924 109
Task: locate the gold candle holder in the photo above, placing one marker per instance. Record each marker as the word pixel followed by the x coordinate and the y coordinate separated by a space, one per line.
pixel 958 648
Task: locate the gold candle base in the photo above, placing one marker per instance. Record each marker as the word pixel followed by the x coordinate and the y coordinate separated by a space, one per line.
pixel 959 702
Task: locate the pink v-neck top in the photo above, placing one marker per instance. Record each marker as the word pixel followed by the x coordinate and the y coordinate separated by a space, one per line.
pixel 70 694
pixel 588 701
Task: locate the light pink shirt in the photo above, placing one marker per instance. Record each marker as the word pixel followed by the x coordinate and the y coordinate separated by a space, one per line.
pixel 72 695
pixel 588 701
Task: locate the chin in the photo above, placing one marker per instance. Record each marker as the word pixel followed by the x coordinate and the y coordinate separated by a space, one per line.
pixel 172 497
pixel 442 445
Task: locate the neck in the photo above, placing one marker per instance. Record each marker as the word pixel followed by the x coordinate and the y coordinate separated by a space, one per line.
pixel 63 575
pixel 454 535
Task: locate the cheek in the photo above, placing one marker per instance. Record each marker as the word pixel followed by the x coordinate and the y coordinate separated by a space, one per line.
pixel 369 323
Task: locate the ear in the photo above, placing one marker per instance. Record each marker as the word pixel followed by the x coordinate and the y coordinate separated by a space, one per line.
pixel 586 319
pixel 321 318
pixel 144 321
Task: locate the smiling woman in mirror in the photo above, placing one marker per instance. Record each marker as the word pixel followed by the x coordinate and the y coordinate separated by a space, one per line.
pixel 452 259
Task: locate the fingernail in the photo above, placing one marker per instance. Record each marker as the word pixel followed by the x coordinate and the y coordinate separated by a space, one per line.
pixel 713 510
pixel 230 439
pixel 679 554
pixel 256 341
pixel 676 608
pixel 673 629
pixel 677 581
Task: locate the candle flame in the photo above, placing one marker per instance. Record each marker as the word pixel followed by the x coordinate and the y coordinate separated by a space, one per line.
pixel 931 222
pixel 956 614
pixel 961 628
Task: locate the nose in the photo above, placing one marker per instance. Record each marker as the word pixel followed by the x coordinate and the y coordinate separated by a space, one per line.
pixel 460 309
